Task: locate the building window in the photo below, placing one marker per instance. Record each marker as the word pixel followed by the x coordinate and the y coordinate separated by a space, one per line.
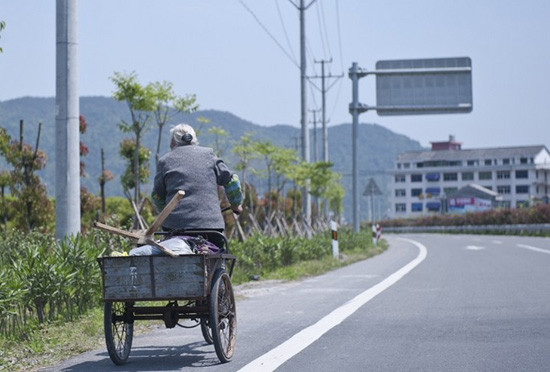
pixel 400 193
pixel 522 189
pixel 433 206
pixel 485 175
pixel 505 204
pixel 522 204
pixel 472 163
pixel 406 165
pixel 505 189
pixel 488 162
pixel 449 190
pixel 506 161
pixel 400 207
pixel 432 191
pixel 467 176
pixel 398 165
pixel 420 165
pixel 503 175
pixel 416 178
pixel 416 192
pixel 450 176
pixel 523 160
pixel 400 178
pixel 432 177
pixel 416 207
pixel 522 174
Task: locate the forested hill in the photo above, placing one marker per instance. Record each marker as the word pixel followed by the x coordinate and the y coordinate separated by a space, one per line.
pixel 378 147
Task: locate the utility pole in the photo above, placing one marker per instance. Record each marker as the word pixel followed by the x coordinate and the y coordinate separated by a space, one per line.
pixel 306 197
pixel 324 90
pixel 355 108
pixel 324 120
pixel 67 154
pixel 314 112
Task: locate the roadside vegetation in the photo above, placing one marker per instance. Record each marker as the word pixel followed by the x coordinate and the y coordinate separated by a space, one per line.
pixel 50 292
pixel 533 215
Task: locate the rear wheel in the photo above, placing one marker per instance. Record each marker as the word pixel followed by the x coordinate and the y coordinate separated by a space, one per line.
pixel 119 331
pixel 223 316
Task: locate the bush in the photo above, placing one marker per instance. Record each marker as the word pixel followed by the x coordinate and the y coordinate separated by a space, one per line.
pixel 259 255
pixel 43 280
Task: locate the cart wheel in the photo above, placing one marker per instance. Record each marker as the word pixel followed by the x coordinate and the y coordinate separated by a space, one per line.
pixel 223 316
pixel 206 331
pixel 118 332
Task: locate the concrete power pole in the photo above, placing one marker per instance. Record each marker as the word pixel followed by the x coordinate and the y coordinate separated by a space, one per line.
pixel 67 151
pixel 324 89
pixel 355 108
pixel 315 152
pixel 306 197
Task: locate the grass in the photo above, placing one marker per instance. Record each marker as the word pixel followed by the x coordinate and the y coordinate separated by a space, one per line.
pixel 56 342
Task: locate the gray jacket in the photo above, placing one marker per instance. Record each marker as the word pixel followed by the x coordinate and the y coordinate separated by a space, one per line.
pixel 198 172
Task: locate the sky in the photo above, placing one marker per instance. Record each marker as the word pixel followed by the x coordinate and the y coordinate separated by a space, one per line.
pixel 242 56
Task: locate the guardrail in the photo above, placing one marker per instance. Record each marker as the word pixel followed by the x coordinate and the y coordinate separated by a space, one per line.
pixel 531 229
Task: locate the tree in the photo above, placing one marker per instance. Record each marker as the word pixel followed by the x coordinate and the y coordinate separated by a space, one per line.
pixel 105 177
pixel 2 26
pixel 141 102
pixel 219 136
pixel 167 104
pixel 127 151
pixel 83 126
pixel 246 153
pixel 32 206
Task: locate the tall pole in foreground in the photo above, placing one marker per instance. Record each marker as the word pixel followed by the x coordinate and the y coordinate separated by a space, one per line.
pixel 355 108
pixel 306 197
pixel 67 154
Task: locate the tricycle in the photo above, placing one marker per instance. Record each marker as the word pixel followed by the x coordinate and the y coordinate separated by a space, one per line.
pixel 196 287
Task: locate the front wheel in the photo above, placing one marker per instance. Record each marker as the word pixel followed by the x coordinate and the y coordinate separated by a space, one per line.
pixel 223 316
pixel 119 331
pixel 206 331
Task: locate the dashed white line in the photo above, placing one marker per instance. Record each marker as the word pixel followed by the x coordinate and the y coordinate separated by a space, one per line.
pixel 534 248
pixel 274 358
pixel 474 247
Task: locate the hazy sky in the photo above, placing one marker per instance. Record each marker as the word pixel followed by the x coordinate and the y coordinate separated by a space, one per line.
pixel 218 50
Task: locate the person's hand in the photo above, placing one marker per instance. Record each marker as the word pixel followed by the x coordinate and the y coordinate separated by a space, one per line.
pixel 237 209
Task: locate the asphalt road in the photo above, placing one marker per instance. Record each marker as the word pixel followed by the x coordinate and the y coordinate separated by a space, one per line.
pixel 429 303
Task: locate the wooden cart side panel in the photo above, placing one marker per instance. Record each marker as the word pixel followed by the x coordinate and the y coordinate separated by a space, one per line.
pixel 153 277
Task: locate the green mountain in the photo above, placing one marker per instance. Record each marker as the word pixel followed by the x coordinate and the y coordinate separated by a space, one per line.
pixel 378 146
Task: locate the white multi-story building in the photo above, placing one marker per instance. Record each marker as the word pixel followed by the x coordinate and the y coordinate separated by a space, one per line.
pixel 423 180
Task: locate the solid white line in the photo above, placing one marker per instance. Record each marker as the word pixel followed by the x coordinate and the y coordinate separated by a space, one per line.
pixel 274 358
pixel 534 248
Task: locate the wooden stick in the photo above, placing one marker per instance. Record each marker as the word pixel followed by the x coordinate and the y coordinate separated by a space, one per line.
pixel 169 252
pixel 164 213
pixel 135 237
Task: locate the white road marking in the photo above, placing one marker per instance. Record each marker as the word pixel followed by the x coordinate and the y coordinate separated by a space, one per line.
pixel 277 356
pixel 474 247
pixel 534 248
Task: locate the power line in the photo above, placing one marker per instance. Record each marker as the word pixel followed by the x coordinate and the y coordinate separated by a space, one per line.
pixel 338 28
pixel 269 33
pixel 323 29
pixel 284 30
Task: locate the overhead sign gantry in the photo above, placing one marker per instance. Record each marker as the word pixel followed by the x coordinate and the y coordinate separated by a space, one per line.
pixel 411 87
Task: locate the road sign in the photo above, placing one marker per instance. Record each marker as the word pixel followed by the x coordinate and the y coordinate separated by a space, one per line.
pixel 423 86
pixel 372 189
